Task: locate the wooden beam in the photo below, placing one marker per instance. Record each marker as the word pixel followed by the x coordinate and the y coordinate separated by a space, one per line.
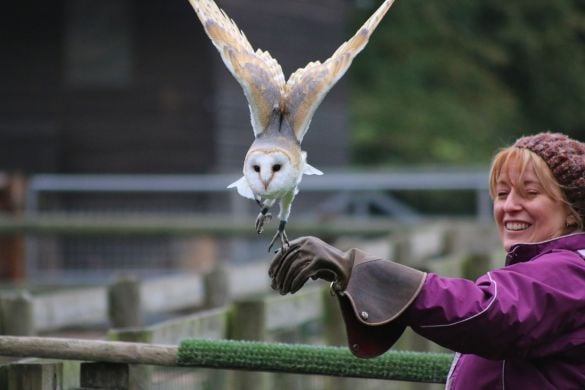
pixel 219 225
pixel 88 350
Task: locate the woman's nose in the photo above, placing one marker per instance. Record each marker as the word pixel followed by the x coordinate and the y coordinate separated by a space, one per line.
pixel 513 201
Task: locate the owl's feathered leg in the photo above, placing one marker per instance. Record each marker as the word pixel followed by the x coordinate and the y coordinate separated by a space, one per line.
pixel 285 206
pixel 264 216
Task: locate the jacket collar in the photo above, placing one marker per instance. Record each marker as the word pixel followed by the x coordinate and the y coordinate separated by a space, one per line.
pixel 524 252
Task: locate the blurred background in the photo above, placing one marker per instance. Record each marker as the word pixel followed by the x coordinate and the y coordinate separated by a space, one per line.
pixel 136 89
pixel 120 127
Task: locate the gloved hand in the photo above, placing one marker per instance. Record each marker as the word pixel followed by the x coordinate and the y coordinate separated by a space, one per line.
pixel 310 257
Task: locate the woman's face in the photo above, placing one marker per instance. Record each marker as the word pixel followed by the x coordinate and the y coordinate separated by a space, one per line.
pixel 524 213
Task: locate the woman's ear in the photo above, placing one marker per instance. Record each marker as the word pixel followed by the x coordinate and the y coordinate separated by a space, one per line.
pixel 571 220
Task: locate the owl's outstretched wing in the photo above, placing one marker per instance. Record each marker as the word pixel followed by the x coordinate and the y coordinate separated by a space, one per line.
pixel 243 188
pixel 307 87
pixel 258 73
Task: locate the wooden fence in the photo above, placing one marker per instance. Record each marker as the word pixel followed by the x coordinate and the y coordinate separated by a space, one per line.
pixel 265 317
pixel 124 303
pixel 231 302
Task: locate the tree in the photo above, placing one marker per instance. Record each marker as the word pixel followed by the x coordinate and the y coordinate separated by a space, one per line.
pixel 450 81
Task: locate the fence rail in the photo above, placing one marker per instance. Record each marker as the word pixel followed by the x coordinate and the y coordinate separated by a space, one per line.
pixel 126 301
pixel 334 181
pixel 230 354
pixel 218 226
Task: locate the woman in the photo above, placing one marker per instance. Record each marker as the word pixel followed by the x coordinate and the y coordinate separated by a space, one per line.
pixel 519 325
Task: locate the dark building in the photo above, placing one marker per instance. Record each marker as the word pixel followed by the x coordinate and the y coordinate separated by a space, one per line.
pixel 127 86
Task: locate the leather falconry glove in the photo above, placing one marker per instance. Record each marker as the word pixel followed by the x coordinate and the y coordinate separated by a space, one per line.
pixel 310 257
pixel 372 292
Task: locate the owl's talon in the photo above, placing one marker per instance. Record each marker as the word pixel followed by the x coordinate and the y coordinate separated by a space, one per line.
pixel 261 220
pixel 280 234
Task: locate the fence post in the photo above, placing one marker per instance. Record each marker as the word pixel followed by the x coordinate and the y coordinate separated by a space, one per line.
pixel 334 327
pixel 16 314
pixel 275 318
pixel 249 323
pixel 334 333
pixel 35 376
pixel 210 325
pixel 217 287
pixel 4 373
pixel 138 371
pixel 124 303
pixel 109 376
pixel 12 194
pixel 249 319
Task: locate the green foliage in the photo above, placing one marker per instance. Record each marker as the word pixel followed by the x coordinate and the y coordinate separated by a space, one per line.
pixel 451 81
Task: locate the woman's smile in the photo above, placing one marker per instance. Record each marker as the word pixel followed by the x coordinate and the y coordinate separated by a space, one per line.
pixel 523 211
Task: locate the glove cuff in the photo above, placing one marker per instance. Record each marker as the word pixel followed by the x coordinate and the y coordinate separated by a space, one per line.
pixel 377 293
pixel 348 261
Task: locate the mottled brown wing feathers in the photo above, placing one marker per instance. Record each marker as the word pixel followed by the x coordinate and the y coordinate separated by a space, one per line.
pixel 307 87
pixel 259 75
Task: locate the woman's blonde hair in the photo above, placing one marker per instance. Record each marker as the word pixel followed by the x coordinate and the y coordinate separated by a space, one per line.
pixel 525 158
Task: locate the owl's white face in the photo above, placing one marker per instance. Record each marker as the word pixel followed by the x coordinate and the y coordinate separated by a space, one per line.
pixel 270 173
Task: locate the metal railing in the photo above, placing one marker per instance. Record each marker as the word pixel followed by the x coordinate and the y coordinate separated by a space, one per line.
pixel 346 187
pixel 337 193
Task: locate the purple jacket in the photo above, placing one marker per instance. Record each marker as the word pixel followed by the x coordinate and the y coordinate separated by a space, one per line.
pixel 519 326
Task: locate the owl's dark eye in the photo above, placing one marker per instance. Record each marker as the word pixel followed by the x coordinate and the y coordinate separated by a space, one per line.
pixel 256 168
pixel 276 167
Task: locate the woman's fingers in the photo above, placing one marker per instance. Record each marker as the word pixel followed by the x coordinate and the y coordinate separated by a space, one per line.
pixel 279 258
pixel 298 273
pixel 300 279
pixel 283 268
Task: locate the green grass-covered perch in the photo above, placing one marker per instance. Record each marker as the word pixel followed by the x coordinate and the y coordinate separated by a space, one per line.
pixel 242 355
pixel 315 360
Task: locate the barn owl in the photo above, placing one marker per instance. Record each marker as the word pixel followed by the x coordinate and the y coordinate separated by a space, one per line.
pixel 280 110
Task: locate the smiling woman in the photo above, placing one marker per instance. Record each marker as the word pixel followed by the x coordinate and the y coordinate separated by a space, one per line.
pixel 521 325
pixel 530 203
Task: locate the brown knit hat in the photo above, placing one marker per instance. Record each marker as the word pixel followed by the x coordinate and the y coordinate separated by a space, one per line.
pixel 566 159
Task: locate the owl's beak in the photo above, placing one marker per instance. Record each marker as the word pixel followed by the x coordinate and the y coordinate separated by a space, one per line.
pixel 265 179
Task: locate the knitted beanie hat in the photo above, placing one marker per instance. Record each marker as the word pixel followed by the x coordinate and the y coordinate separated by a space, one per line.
pixel 566 159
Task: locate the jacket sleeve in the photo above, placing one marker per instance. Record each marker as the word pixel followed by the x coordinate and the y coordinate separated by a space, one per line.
pixel 530 309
